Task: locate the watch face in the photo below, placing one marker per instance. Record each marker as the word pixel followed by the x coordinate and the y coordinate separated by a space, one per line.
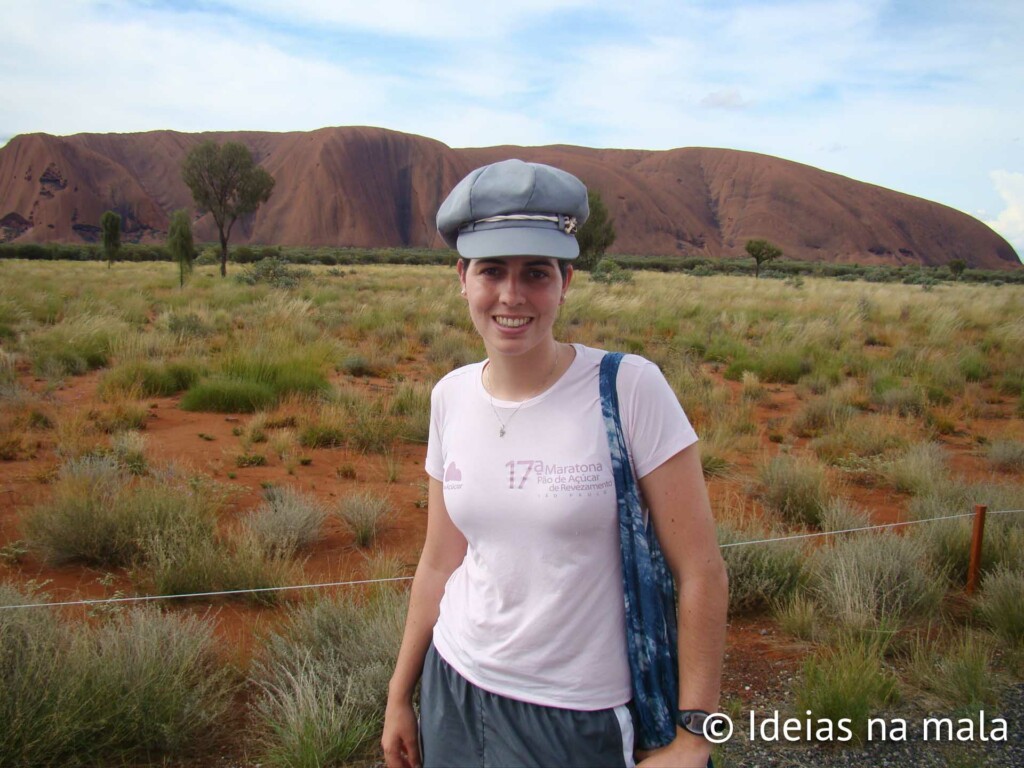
pixel 693 722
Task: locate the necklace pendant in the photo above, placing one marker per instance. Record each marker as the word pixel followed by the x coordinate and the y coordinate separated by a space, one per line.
pixel 501 432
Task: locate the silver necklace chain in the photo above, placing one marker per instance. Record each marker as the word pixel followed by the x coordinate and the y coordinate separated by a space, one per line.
pixel 505 424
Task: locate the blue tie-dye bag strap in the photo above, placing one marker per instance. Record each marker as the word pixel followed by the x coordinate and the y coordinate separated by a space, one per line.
pixel 649 591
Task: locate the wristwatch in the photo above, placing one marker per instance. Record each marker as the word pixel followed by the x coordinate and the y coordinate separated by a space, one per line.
pixel 692 720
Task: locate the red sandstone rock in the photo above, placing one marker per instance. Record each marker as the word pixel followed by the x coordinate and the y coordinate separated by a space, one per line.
pixel 372 187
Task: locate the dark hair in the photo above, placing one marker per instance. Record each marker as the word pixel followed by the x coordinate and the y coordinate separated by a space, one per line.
pixel 563 266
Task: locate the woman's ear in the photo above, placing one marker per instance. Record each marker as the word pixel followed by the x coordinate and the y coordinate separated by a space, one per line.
pixel 461 267
pixel 565 283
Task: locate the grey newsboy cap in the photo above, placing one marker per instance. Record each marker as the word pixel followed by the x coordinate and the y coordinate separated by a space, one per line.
pixel 513 208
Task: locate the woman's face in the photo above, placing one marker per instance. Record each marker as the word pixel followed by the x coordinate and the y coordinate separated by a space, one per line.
pixel 513 301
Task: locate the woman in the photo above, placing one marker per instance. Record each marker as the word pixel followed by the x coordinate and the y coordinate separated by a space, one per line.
pixel 516 620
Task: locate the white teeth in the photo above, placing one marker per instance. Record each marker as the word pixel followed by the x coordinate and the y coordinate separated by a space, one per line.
pixel 511 322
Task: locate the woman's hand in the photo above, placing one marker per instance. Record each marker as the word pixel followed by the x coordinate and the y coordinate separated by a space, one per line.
pixel 687 751
pixel 400 739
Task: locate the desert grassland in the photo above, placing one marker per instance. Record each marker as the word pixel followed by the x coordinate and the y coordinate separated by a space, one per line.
pixel 822 405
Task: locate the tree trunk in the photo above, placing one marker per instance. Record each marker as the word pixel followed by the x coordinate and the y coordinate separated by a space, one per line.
pixel 223 256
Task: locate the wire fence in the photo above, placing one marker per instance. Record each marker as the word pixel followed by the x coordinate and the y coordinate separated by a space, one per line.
pixel 326 585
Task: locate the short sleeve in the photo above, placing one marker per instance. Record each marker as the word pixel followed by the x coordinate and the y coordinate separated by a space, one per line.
pixel 434 464
pixel 655 425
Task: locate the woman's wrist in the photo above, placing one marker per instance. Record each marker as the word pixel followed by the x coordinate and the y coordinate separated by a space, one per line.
pixel 400 691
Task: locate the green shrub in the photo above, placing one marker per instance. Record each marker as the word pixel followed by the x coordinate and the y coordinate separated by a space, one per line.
pixel 357 365
pixel 97 516
pixel 73 347
pixel 34 684
pixel 960 673
pixel 120 417
pixel 287 521
pixel 849 681
pixel 609 272
pixel 129 449
pixel 1001 604
pixel 1006 455
pixel 921 468
pixel 948 542
pixel 322 436
pixel 276 273
pixel 823 414
pixel 224 395
pixel 257 380
pixel 323 681
pixel 760 575
pixel 973 366
pixel 903 400
pixel 248 566
pixel 157 683
pixel 795 488
pixel 187 325
pixel 138 686
pixel 372 429
pixel 798 616
pixel 841 515
pixel 452 350
pixel 782 366
pixel 285 374
pixel 410 404
pixel 861 438
pixel 250 460
pixel 365 515
pixel 149 379
pixel 869 581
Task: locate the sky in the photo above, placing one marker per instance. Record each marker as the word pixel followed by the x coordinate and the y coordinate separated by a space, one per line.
pixel 925 97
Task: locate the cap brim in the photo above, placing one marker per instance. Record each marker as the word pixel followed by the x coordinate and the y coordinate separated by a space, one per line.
pixel 517 241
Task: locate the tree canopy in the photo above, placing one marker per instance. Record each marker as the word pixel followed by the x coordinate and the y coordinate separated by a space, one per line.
pixel 226 181
pixel 596 235
pixel 110 225
pixel 762 252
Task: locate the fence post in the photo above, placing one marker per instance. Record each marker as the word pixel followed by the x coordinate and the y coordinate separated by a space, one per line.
pixel 976 538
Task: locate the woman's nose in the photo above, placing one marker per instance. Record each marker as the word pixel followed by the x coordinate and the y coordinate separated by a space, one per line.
pixel 510 291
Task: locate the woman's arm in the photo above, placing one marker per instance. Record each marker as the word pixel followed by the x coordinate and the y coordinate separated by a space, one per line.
pixel 677 498
pixel 443 552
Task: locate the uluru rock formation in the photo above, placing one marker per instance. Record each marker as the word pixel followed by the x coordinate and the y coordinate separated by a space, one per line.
pixel 370 187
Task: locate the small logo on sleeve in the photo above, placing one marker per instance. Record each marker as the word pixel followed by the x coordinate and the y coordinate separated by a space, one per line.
pixel 452 478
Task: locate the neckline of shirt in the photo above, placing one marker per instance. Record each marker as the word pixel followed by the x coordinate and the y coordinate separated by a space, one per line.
pixel 482 390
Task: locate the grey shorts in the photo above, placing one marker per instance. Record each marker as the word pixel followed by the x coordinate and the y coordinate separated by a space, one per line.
pixel 462 725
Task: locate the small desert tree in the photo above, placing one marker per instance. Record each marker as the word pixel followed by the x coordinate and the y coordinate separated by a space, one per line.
pixel 226 181
pixel 957 267
pixel 762 252
pixel 596 235
pixel 179 243
pixel 110 225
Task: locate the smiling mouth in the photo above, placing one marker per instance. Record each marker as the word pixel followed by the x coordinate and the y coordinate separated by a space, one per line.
pixel 512 322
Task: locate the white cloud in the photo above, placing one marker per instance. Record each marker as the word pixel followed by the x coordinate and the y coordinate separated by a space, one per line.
pixel 1010 222
pixel 727 98
pixel 102 71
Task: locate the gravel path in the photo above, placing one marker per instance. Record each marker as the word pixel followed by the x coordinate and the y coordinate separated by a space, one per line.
pixel 741 752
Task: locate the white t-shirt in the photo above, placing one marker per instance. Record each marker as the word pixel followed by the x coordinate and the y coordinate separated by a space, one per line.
pixel 535 610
